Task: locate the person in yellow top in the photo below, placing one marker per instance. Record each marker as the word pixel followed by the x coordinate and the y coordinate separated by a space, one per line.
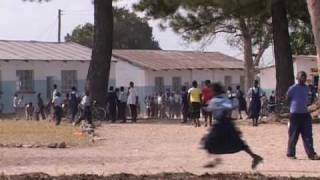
pixel 194 98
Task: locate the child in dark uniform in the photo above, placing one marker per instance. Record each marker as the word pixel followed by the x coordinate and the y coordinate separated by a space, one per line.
pixel 224 137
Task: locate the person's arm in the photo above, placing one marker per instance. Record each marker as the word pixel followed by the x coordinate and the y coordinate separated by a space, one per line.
pixel 289 95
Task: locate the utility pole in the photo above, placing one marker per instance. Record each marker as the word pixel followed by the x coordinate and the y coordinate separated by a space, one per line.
pixel 59 25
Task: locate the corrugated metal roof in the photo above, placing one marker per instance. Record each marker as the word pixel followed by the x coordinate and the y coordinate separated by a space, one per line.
pixel 168 60
pixel 150 59
pixel 34 50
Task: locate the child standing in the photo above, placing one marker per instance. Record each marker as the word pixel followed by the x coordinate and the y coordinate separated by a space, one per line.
pixel 224 138
pixel 29 109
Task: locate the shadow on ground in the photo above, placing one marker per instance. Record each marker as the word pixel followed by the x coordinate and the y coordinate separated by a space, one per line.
pixel 162 176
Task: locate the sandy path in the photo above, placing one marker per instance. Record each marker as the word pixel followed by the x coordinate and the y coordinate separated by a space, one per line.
pixel 153 148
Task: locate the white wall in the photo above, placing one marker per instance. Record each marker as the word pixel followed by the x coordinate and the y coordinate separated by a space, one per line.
pixel 268 78
pixel 126 72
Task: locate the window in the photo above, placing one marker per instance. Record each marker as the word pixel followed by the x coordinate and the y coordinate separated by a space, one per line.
pixel 159 85
pixel 227 81
pixel 68 79
pixel 25 80
pixel 176 84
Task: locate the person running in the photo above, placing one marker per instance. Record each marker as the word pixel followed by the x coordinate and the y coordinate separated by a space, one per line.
pixel 122 106
pixel 133 101
pixel 300 119
pixel 255 93
pixel 206 96
pixel 87 113
pixel 224 137
pixel 57 104
pixel 242 102
pixel 194 97
pixel 40 108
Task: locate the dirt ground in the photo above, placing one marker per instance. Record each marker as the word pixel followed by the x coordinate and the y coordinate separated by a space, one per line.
pixel 157 147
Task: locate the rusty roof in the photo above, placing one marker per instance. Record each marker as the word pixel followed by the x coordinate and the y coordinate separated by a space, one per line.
pixel 35 50
pixel 179 60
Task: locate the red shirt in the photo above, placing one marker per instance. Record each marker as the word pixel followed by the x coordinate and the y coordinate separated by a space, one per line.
pixel 206 94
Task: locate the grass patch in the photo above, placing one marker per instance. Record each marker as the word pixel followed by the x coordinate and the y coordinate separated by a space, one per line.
pixel 40 132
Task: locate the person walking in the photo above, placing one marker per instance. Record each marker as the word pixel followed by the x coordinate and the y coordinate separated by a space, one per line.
pixel 194 97
pixel 133 101
pixel 206 96
pixel 40 108
pixel 255 93
pixel 300 119
pixel 122 105
pixel 224 137
pixel 242 102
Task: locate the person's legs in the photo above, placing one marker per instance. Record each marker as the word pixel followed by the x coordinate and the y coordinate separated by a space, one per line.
pixel 88 115
pixel 43 116
pixel 113 113
pixel 256 159
pixel 58 115
pixel 294 131
pixel 133 109
pixel 306 133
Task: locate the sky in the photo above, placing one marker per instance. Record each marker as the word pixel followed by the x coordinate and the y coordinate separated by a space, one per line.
pixel 22 20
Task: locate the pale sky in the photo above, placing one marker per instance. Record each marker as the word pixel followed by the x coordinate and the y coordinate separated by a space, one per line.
pixel 38 21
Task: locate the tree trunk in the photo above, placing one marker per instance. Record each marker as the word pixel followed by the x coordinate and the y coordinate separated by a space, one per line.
pixel 98 73
pixel 314 11
pixel 282 49
pixel 249 67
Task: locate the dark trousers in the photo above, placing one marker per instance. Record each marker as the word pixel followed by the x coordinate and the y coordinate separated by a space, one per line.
pixel 133 109
pixel 41 111
pixel 74 112
pixel 122 110
pixel 113 111
pixel 86 114
pixel 58 114
pixel 300 124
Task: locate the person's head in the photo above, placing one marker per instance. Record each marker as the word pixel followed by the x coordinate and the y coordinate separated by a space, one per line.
pixel 58 94
pixel 272 92
pixel 229 88
pixel 194 84
pixel 111 88
pixel 184 88
pixel 131 84
pixel 39 95
pixel 67 95
pixel 30 104
pixel 117 90
pixel 238 87
pixel 256 83
pixel 55 86
pixel 74 88
pixel 207 83
pixel 217 89
pixel 121 88
pixel 302 77
pixel 15 94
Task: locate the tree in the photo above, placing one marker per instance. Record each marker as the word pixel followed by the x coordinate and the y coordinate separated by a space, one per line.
pixel 282 49
pixel 246 21
pixel 130 32
pixel 314 11
pixel 99 69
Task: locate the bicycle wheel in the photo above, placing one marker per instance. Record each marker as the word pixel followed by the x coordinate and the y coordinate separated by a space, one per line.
pixel 99 114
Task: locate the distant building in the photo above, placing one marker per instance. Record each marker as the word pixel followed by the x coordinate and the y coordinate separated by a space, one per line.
pixel 300 63
pixel 29 67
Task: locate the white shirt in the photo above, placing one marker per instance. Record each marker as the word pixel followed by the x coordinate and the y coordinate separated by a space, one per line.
pixel 54 93
pixel 15 102
pixel 132 98
pixel 85 101
pixel 122 97
pixel 57 101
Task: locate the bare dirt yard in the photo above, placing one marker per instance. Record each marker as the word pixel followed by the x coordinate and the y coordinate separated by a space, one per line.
pixel 152 147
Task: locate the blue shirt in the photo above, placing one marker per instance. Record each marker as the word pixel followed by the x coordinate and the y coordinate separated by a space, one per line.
pixel 298 96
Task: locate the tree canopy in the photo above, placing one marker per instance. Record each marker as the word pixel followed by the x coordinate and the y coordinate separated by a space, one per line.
pixel 130 32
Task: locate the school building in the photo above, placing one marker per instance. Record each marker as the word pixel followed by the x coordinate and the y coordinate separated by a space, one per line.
pixel 305 63
pixel 30 67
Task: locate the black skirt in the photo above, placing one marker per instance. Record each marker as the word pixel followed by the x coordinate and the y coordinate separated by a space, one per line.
pixel 223 138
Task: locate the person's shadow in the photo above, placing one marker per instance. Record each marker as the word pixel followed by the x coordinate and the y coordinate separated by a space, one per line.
pixel 214 163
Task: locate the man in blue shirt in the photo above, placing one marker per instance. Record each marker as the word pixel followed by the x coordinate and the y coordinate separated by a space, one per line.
pixel 300 118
